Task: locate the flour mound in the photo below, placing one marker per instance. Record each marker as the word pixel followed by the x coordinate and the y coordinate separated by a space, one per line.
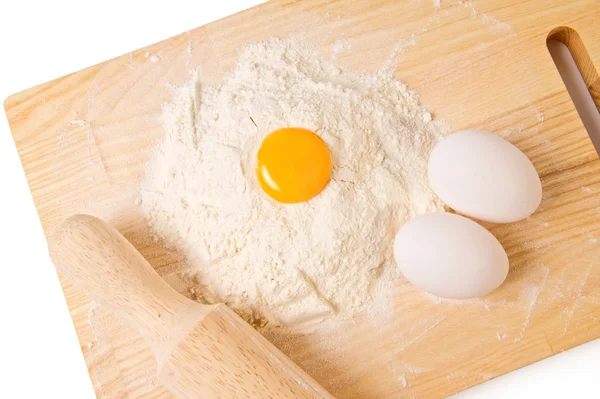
pixel 290 264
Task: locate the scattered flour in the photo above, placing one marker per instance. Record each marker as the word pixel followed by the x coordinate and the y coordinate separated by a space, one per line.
pixel 281 264
pixel 341 45
pixel 394 58
pixel 484 17
pixel 403 381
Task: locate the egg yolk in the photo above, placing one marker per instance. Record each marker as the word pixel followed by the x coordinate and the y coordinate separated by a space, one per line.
pixel 294 165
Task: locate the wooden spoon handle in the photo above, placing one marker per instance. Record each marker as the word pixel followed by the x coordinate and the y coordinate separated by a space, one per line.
pixel 99 261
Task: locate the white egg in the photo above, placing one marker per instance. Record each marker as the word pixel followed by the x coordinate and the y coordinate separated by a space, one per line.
pixel 450 256
pixel 481 175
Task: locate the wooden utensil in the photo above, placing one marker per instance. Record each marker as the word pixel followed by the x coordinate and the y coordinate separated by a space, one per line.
pixel 201 351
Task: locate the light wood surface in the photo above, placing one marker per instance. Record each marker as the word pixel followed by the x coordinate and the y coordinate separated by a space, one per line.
pixel 84 140
pixel 202 351
pixel 589 73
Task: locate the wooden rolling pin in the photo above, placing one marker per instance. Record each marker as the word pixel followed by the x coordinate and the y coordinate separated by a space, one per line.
pixel 201 351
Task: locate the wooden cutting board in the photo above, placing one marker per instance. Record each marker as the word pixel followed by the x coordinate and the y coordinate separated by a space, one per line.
pixel 84 140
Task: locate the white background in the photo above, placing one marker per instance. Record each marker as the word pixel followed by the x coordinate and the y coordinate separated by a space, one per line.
pixel 39 352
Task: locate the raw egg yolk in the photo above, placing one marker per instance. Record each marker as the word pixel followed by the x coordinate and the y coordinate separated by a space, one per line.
pixel 294 165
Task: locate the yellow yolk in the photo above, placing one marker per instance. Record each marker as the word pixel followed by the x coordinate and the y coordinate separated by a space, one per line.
pixel 294 165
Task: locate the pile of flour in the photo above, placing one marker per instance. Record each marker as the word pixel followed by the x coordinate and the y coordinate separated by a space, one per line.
pixel 290 264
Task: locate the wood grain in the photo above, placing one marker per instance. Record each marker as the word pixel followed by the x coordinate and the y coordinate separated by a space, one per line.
pixel 582 59
pixel 84 140
pixel 202 351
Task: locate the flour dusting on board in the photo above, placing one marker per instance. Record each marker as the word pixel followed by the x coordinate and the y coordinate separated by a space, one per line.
pixel 291 264
pixel 475 12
